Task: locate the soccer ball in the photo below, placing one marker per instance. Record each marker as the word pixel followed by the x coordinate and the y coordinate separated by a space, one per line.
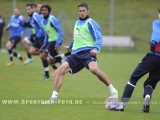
pixel 111 102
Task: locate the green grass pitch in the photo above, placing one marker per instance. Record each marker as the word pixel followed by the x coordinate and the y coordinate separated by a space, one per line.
pixel 82 95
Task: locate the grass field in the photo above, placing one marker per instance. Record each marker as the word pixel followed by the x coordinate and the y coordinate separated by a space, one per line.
pixel 82 95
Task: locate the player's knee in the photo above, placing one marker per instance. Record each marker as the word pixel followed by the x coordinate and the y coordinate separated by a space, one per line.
pixel 94 70
pixel 23 42
pixel 62 69
pixel 32 51
pixel 8 45
pixel 43 56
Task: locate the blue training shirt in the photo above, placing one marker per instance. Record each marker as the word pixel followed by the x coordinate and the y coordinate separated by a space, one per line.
pixel 55 23
pixel 28 32
pixel 156 31
pixel 155 37
pixel 95 31
pixel 36 22
pixel 16 26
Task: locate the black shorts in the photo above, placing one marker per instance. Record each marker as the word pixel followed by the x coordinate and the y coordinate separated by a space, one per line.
pixel 80 60
pixel 38 42
pixel 50 49
pixel 32 38
pixel 15 40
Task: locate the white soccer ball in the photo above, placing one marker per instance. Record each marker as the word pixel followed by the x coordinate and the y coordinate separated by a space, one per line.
pixel 111 102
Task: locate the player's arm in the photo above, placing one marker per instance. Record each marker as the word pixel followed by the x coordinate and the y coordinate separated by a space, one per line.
pixel 56 24
pixel 95 31
pixel 8 27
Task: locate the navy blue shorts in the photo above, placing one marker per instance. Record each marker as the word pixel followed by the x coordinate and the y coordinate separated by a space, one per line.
pixel 149 64
pixel 38 42
pixel 50 49
pixel 15 40
pixel 80 60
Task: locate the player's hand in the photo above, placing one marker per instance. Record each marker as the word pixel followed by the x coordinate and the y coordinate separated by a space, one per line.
pixel 94 52
pixel 57 48
pixel 41 49
pixel 5 29
pixel 67 47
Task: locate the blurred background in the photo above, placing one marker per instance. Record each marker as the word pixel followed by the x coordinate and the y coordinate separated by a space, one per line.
pixel 116 17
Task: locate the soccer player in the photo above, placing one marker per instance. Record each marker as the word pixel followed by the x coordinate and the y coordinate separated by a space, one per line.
pixel 29 39
pixel 16 27
pixel 35 21
pixel 149 64
pixel 55 36
pixel 87 42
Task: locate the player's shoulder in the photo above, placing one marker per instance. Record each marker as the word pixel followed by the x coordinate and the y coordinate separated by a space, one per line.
pixel 21 17
pixel 156 21
pixel 12 16
pixel 36 14
pixel 92 22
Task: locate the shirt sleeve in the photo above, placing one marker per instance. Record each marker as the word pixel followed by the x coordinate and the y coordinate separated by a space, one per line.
pixel 95 31
pixel 56 24
pixel 71 44
pixel 9 25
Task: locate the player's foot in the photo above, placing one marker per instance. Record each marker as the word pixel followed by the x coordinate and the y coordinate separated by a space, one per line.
pixel 54 72
pixel 9 63
pixel 28 60
pixel 23 60
pixel 50 101
pixel 146 105
pixel 115 93
pixel 45 78
pixel 119 107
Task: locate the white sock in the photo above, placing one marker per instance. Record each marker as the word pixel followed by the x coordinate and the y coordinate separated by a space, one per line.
pixel 46 69
pixel 111 88
pixel 55 94
pixel 62 56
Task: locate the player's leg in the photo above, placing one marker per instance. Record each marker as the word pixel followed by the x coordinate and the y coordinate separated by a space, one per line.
pixel 60 58
pixel 72 65
pixel 9 48
pixel 58 82
pixel 43 57
pixel 15 54
pixel 146 65
pixel 15 41
pixel 44 61
pixel 52 64
pixel 26 46
pixel 93 67
pixel 51 52
pixel 33 50
pixel 149 86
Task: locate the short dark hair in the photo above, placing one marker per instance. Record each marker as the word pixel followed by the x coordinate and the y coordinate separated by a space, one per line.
pixel 29 5
pixel 48 7
pixel 83 5
pixel 158 10
pixel 34 5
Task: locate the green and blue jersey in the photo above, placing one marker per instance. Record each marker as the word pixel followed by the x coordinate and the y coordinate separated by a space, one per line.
pixel 87 36
pixel 54 30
